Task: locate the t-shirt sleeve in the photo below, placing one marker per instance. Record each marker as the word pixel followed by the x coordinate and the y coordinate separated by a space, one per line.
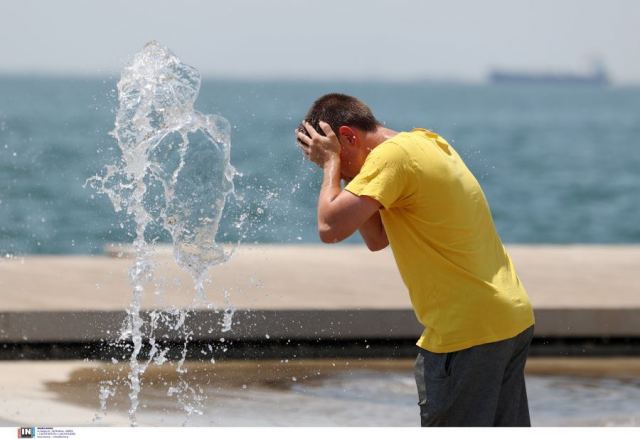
pixel 385 176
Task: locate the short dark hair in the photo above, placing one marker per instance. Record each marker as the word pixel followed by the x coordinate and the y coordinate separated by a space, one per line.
pixel 337 110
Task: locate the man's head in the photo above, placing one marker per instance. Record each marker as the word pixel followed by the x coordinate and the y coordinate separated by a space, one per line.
pixel 352 122
pixel 339 109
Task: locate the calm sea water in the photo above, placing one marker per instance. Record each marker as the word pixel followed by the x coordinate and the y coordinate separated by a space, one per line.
pixel 558 165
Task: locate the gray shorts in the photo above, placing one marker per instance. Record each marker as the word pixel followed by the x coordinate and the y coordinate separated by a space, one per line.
pixel 479 386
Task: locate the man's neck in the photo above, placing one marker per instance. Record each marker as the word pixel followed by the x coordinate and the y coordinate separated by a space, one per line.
pixel 381 134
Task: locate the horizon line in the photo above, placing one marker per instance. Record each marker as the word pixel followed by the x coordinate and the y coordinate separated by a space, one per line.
pixel 453 80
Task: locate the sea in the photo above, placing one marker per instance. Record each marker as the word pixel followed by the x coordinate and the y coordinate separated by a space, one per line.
pixel 558 164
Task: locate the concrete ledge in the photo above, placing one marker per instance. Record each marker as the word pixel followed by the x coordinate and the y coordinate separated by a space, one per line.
pixel 101 326
pixel 93 326
pixel 311 294
pixel 597 322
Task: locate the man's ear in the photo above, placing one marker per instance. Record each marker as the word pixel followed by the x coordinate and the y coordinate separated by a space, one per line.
pixel 348 133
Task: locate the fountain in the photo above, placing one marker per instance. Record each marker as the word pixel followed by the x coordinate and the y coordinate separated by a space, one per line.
pixel 173 178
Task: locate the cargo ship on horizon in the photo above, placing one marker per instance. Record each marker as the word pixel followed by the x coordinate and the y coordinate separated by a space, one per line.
pixel 598 77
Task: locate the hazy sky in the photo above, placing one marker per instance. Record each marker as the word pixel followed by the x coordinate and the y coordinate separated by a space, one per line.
pixel 325 38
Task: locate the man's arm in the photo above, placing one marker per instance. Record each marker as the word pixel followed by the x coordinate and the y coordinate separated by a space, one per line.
pixel 340 213
pixel 373 233
pixel 372 230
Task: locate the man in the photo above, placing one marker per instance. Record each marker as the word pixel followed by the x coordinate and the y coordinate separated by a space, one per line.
pixel 413 191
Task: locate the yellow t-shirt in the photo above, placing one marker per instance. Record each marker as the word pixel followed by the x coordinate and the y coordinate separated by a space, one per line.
pixel 462 283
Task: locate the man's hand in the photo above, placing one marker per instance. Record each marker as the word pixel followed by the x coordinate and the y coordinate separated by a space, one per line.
pixel 340 213
pixel 320 149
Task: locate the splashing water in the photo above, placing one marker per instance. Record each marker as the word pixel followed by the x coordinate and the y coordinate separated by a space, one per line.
pixel 174 176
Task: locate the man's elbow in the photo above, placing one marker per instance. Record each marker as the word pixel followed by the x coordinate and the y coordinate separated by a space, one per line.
pixel 328 234
pixel 328 237
pixel 377 246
